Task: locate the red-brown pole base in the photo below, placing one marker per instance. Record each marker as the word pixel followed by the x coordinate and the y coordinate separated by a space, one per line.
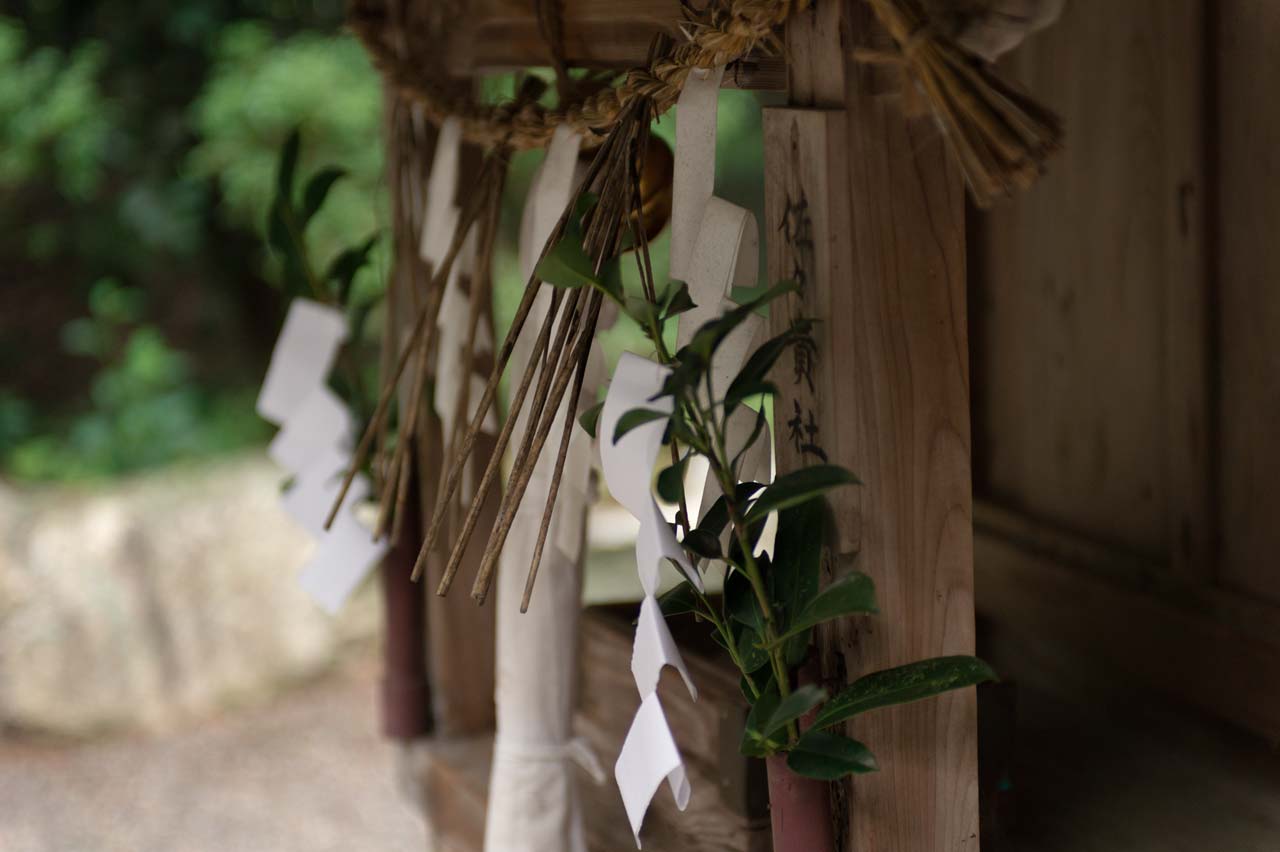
pixel 406 691
pixel 800 809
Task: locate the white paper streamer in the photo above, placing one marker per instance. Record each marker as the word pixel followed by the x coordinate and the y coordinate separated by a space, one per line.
pixel 314 445
pixel 649 754
pixel 303 355
pixel 694 177
pixel 718 250
pixel 321 422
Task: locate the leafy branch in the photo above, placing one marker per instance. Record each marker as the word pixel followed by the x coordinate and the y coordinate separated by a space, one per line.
pixel 771 605
pixel 287 223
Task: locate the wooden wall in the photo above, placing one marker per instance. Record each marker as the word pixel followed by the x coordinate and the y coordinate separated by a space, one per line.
pixel 1126 356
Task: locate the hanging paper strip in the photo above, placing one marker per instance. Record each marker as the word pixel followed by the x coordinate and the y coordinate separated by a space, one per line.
pixel 453 322
pixel 649 753
pixel 715 247
pixel 313 444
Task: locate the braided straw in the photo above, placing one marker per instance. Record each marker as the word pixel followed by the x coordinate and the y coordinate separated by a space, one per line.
pixel 718 35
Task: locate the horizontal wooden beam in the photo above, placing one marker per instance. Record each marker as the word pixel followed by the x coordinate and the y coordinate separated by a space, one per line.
pixel 498 35
pixel 1111 622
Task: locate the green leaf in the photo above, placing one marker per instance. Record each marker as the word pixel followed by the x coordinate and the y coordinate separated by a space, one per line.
pixel 753 656
pixel 849 595
pixel 634 418
pixel 797 555
pixel 644 312
pixel 912 682
pixel 278 227
pixel 678 600
pixel 702 543
pixel 830 757
pixel 799 486
pixel 567 265
pixel 753 373
pixel 288 165
pixel 317 189
pixel 755 743
pixel 671 481
pixel 747 392
pixel 795 705
pixel 676 300
pixel 590 418
pixel 740 601
pixel 709 337
pixel 756 431
pixel 342 271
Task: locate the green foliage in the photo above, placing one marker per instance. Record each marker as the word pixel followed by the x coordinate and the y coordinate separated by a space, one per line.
pixel 291 216
pixel 900 685
pixel 261 90
pixel 145 409
pixel 54 118
pixel 830 757
pixel 770 606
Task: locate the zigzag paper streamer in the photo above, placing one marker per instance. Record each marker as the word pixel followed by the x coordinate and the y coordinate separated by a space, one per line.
pixel 649 753
pixel 314 445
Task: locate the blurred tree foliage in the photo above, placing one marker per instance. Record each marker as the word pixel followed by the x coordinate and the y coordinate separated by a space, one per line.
pixel 137 146
pixel 138 142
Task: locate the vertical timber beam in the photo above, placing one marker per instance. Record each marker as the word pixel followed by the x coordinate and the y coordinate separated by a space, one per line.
pixel 866 210
pixel 459 641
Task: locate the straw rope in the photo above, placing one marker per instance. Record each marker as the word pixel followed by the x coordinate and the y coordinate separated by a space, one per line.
pixel 718 35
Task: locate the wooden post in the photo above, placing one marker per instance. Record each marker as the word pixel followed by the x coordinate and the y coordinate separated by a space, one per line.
pixel 866 210
pixel 459 645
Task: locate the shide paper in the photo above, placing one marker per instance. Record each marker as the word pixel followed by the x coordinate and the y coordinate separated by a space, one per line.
pixel 313 444
pixel 715 247
pixel 649 753
pixel 453 322
pixel 302 358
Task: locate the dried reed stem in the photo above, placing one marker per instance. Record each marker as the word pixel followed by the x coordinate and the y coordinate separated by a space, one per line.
pixel 557 473
pixel 516 489
pixel 425 322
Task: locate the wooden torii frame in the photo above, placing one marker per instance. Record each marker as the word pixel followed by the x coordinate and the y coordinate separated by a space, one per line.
pixel 866 208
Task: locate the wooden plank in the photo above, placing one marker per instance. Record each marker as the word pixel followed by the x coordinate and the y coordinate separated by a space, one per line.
pixel 460 635
pixel 1088 300
pixel 727 810
pixel 1191 525
pixel 1248 165
pixel 865 206
pixel 455 775
pixel 1075 616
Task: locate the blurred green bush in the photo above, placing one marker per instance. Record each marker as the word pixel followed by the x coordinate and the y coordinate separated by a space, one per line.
pixel 137 153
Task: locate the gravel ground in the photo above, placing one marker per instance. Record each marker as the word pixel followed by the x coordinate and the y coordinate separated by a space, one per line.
pixel 305 773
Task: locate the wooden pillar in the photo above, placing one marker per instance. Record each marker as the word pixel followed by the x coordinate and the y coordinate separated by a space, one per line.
pixel 459 638
pixel 865 208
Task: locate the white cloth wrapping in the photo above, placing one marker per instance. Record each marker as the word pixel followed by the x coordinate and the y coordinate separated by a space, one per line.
pixel 534 804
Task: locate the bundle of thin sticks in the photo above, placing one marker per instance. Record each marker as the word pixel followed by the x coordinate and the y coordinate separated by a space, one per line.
pixel 999 134
pixel 558 362
pixel 557 366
